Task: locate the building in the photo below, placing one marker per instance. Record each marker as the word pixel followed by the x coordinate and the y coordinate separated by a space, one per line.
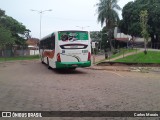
pixel 33 44
pixel 123 40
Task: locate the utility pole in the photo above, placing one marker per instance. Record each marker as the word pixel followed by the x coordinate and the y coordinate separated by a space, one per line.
pixel 41 12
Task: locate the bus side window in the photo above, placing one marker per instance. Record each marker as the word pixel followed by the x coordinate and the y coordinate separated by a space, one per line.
pixel 47 43
pixel 53 42
pixel 42 44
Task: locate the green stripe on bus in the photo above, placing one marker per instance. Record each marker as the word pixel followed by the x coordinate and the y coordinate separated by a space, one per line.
pixel 72 64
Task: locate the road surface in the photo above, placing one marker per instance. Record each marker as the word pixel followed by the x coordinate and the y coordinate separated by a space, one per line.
pixel 30 86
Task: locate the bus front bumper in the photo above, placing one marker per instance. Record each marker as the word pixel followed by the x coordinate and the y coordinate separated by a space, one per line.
pixel 72 64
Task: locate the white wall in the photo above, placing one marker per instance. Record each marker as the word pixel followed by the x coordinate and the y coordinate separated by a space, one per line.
pixel 34 52
pixel 120 35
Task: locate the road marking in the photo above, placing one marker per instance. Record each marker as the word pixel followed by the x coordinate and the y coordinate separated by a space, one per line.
pixel 116 73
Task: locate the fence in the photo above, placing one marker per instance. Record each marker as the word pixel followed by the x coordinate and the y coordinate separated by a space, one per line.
pixel 128 50
pixel 19 52
pixel 154 45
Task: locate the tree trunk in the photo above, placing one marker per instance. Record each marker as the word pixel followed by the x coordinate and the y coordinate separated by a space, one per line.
pixel 145 46
pixel 109 26
pixel 110 40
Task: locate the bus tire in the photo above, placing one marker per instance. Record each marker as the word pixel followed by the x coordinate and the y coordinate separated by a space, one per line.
pixel 48 64
pixel 73 68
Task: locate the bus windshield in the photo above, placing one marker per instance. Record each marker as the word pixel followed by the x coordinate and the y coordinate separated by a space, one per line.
pixel 72 35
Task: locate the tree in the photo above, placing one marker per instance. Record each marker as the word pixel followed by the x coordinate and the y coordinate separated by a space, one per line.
pixel 17 30
pixel 131 20
pixel 5 37
pixel 130 23
pixel 107 14
pixel 2 13
pixel 11 32
pixel 95 36
pixel 144 26
pixel 105 39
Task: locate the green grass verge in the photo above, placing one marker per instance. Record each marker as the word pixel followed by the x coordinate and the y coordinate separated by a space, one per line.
pixel 99 61
pixel 2 59
pixel 151 57
pixel 123 51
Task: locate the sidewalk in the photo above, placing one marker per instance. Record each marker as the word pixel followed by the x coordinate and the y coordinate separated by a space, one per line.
pixel 99 58
pixel 126 68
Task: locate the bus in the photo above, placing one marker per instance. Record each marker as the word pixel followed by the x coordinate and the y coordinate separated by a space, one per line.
pixel 66 49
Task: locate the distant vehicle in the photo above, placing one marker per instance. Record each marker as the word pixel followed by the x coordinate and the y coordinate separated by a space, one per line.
pixel 66 49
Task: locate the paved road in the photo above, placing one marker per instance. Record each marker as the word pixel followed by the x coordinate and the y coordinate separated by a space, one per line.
pixel 30 86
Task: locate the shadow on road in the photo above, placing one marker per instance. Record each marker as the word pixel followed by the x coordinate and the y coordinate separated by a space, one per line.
pixel 68 71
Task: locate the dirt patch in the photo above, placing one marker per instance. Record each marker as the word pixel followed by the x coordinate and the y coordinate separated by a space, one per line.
pixel 128 64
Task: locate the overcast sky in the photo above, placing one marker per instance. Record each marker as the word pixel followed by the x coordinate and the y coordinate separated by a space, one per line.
pixel 65 14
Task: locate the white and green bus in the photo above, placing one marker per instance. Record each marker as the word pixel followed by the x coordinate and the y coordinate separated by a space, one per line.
pixel 66 49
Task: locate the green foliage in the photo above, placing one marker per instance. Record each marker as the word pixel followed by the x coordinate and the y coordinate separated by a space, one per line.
pixel 144 23
pixel 2 13
pixel 5 37
pixel 131 20
pixel 105 39
pixel 14 31
pixel 123 52
pixel 107 14
pixel 144 26
pixel 95 36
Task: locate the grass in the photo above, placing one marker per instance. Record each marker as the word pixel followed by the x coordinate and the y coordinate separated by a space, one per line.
pixel 2 59
pixel 100 61
pixel 151 57
pixel 123 51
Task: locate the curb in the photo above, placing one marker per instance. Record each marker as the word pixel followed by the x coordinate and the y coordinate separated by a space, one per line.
pixel 94 68
pixel 142 70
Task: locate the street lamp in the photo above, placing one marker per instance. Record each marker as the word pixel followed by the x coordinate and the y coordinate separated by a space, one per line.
pixel 82 27
pixel 41 12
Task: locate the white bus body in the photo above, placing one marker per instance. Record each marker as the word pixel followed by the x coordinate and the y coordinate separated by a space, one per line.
pixel 66 49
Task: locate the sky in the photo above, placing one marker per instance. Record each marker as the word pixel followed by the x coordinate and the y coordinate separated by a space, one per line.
pixel 65 14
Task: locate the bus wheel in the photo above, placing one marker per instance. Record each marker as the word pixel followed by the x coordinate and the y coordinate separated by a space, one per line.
pixel 73 68
pixel 48 64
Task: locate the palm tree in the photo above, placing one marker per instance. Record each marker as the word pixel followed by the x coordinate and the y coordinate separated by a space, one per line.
pixel 107 14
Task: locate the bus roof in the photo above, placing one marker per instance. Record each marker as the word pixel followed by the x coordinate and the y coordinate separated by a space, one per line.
pixel 72 31
pixel 61 31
